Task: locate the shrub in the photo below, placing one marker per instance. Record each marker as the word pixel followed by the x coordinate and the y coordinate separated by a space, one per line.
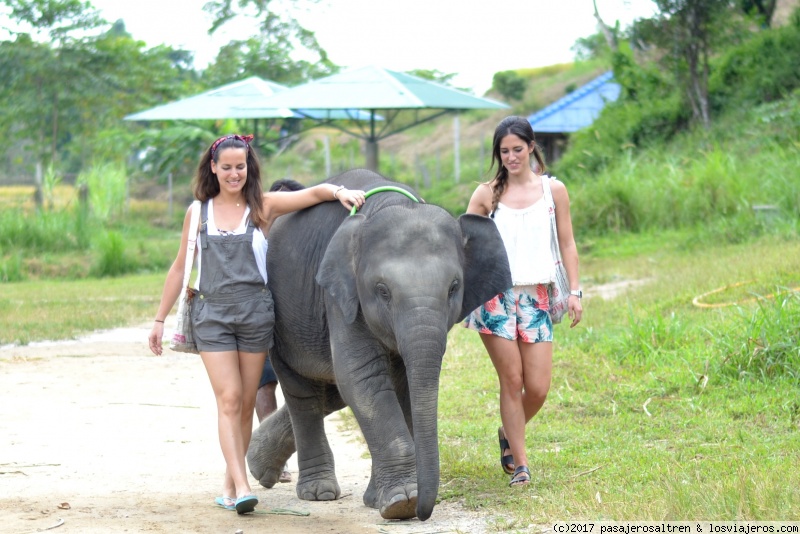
pixel 762 69
pixel 509 84
pixel 112 260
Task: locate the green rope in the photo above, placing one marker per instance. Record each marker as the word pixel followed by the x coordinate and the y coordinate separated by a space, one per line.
pixel 282 511
pixel 381 190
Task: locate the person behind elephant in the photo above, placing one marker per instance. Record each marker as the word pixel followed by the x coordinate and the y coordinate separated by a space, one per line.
pixel 266 400
pixel 232 311
pixel 515 326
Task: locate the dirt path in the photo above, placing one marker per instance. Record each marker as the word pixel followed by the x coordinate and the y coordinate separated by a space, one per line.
pixel 100 436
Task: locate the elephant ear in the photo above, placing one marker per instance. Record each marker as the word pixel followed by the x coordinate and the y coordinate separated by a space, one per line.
pixel 486 271
pixel 337 272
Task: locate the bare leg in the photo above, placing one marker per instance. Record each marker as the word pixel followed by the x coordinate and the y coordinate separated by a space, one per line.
pixel 234 378
pixel 524 371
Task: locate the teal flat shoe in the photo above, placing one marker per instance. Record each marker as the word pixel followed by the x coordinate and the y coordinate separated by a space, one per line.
pixel 226 502
pixel 246 504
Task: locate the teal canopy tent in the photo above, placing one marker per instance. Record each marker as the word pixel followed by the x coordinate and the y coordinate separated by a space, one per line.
pixel 376 89
pixel 239 100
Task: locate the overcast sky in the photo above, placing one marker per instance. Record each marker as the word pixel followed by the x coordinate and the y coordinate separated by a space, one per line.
pixel 474 38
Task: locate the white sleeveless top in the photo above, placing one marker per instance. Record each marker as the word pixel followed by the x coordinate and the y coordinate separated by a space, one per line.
pixel 526 236
pixel 260 244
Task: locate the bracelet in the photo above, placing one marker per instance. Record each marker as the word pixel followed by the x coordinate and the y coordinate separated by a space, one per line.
pixel 156 320
pixel 336 193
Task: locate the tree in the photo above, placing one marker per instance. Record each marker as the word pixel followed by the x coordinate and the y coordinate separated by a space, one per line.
pixel 65 81
pixel 687 32
pixel 764 9
pixel 270 53
pixel 509 84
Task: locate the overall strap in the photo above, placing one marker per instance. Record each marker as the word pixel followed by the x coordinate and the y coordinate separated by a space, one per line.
pixel 192 242
pixel 204 225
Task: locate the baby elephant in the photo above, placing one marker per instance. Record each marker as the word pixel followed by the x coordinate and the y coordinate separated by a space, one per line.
pixel 363 305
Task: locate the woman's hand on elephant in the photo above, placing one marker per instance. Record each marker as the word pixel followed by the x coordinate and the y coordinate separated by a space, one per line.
pixel 155 338
pixel 351 197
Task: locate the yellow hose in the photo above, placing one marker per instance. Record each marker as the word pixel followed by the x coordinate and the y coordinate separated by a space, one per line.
pixel 696 300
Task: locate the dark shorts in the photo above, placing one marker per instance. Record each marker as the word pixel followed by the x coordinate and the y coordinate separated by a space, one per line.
pixel 268 374
pixel 237 322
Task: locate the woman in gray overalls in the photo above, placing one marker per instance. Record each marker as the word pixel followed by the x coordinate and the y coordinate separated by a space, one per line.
pixel 233 314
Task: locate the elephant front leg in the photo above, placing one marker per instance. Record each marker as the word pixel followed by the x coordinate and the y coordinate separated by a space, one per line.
pixel 317 479
pixel 366 386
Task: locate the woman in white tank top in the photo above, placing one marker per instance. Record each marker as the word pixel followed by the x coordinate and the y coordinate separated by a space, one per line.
pixel 515 326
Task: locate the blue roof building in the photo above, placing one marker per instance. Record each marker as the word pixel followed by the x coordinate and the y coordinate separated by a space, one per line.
pixel 576 110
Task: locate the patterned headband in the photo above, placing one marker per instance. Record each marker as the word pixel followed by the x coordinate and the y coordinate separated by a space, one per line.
pixel 243 138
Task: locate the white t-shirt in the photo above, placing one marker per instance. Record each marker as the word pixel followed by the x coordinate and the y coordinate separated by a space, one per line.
pixel 260 244
pixel 526 236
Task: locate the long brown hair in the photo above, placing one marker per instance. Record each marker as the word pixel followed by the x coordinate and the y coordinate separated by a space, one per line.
pixel 513 125
pixel 206 184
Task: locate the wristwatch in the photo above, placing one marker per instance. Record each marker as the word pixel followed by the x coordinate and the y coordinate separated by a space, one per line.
pixel 577 292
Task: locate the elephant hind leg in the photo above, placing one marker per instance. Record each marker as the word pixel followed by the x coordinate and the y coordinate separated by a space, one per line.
pixel 401 505
pixel 271 446
pixel 317 479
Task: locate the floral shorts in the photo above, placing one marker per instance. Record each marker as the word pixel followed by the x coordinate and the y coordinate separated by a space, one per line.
pixel 518 312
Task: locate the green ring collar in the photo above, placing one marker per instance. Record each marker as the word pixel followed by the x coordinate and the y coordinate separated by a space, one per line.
pixel 381 190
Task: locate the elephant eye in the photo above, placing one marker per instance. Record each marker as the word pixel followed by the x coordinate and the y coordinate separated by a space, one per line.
pixel 454 285
pixel 383 292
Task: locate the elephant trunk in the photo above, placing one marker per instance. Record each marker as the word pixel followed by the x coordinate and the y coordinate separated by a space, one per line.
pixel 423 359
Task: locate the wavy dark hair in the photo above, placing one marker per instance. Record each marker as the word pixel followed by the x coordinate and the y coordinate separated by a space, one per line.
pixel 206 184
pixel 519 126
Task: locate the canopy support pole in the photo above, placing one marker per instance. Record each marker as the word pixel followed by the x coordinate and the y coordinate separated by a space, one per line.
pixel 371 144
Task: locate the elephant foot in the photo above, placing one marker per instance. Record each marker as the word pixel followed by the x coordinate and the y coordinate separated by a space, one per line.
pixel 270 477
pixel 318 490
pixel 371 495
pixel 400 506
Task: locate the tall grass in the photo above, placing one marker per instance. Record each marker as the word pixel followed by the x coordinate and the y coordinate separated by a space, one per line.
pixel 54 231
pixel 107 189
pixel 767 341
pixel 69 240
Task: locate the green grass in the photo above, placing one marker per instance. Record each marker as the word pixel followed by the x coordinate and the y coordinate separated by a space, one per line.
pixel 54 310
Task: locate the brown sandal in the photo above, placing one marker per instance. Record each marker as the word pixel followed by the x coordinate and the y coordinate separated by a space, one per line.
pixel 507 461
pixel 522 476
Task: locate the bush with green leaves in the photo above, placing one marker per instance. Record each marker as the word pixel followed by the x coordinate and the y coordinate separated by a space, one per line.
pixel 112 259
pixel 762 69
pixel 509 84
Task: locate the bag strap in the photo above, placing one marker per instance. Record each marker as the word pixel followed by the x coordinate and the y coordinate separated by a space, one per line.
pixel 548 196
pixel 192 242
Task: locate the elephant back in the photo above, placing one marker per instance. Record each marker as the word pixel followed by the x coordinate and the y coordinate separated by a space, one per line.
pixel 298 241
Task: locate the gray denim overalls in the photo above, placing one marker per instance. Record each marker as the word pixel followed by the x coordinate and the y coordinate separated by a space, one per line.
pixel 233 310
